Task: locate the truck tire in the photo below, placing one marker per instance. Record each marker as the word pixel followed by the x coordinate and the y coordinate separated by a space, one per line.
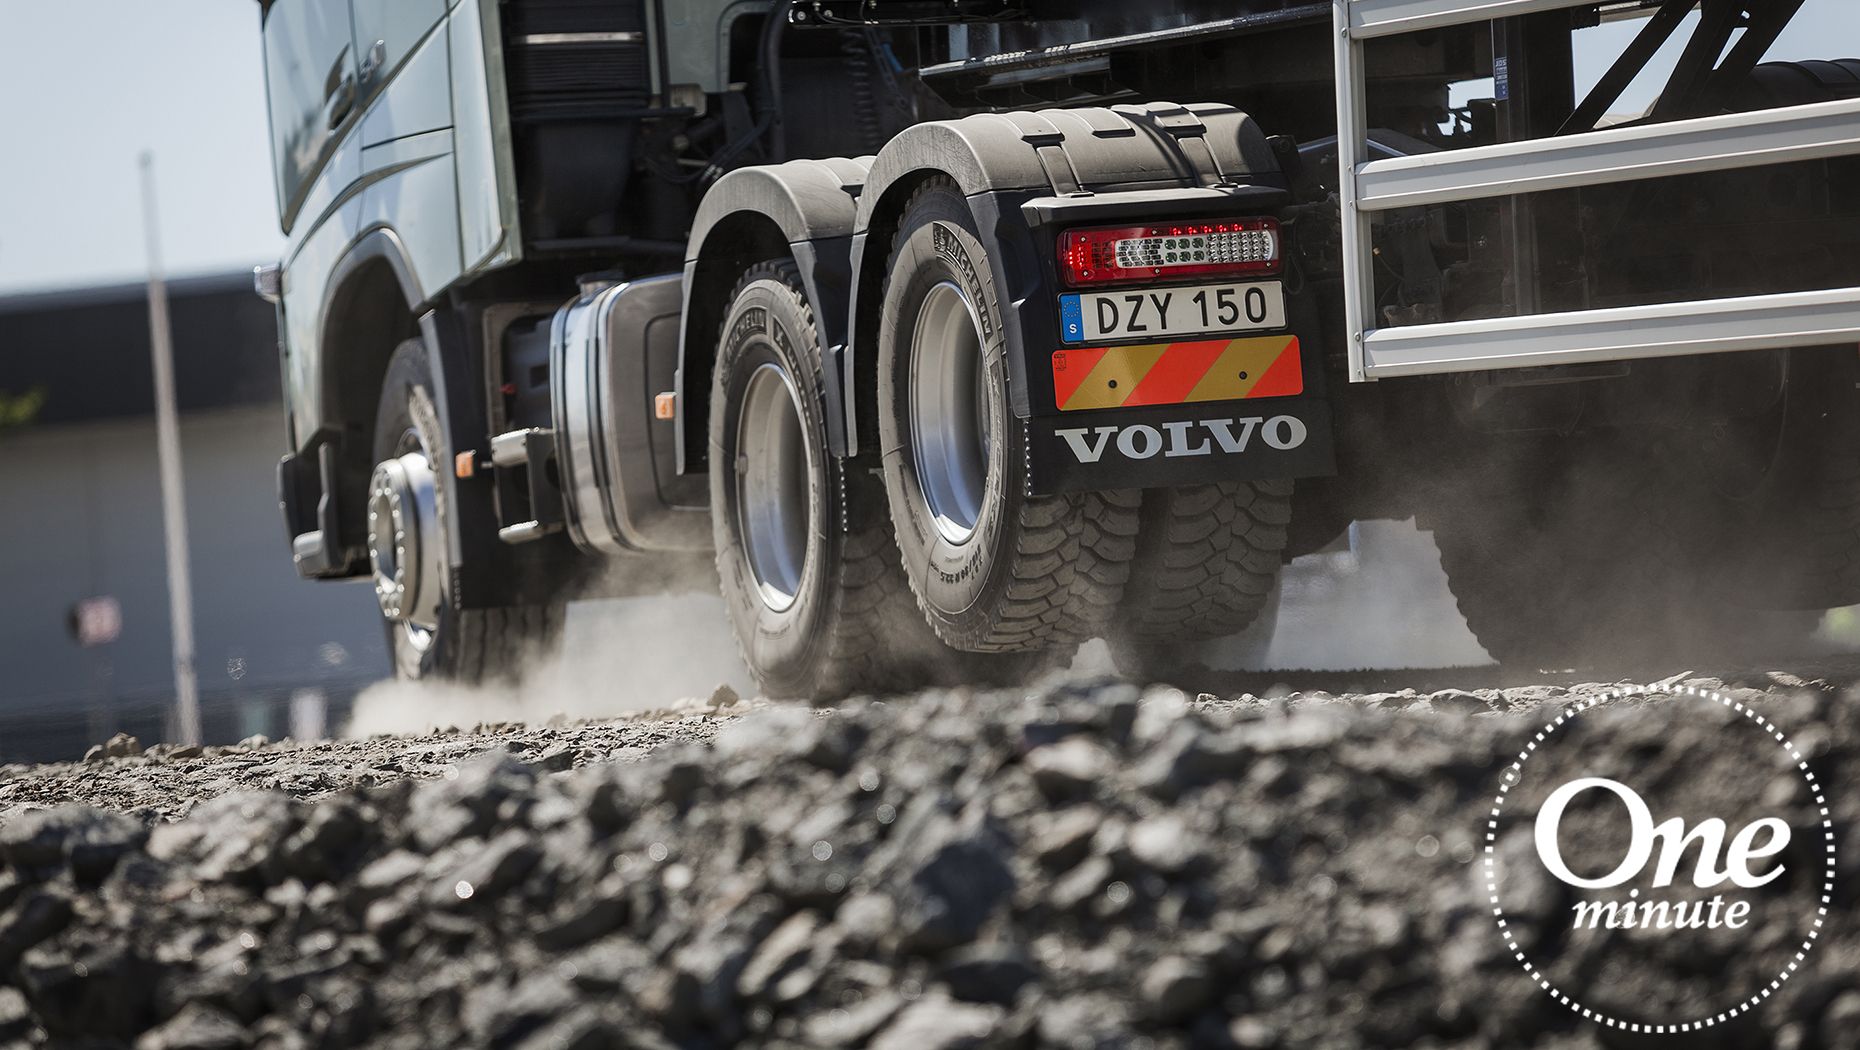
pixel 1807 556
pixel 1550 587
pixel 1775 84
pixel 1602 564
pixel 809 572
pixel 993 569
pixel 1207 562
pixel 1825 538
pixel 1533 613
pixel 1680 561
pixel 428 636
pixel 1783 532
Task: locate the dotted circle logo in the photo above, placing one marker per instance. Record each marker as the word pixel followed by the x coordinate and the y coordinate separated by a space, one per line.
pixel 1511 779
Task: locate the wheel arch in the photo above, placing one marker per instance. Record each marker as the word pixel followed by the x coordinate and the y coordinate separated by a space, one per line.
pixel 370 306
pixel 980 154
pixel 802 209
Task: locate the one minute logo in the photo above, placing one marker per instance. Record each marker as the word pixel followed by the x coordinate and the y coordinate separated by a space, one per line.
pixel 1605 865
pixel 1757 842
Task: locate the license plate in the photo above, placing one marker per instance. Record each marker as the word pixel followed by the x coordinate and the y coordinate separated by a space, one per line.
pixel 1150 313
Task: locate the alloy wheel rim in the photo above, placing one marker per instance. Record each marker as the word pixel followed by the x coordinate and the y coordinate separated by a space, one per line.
pixel 773 498
pixel 949 432
pixel 403 542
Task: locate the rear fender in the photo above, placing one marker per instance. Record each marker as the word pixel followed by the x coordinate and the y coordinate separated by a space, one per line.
pixel 1026 176
pixel 803 208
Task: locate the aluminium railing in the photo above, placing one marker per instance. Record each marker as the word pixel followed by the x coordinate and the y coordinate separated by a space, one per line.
pixel 1613 155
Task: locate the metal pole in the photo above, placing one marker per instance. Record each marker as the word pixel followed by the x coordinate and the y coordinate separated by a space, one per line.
pixel 168 453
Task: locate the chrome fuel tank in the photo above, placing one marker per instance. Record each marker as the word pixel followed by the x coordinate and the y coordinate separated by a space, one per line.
pixel 612 352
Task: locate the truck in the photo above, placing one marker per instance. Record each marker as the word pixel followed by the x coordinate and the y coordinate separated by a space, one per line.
pixel 939 336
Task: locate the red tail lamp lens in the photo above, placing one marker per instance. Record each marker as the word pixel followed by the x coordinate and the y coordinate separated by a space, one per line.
pixel 1113 255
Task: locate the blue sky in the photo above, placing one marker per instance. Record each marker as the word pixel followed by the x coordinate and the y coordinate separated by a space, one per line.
pixel 1823 29
pixel 88 84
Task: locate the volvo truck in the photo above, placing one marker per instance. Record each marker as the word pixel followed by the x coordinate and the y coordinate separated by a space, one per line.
pixel 939 336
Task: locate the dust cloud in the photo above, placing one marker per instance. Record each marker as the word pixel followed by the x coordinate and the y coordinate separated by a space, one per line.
pixel 1379 599
pixel 617 655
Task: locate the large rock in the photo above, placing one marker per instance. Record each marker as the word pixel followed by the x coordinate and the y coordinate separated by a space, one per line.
pixel 198 1026
pixel 941 1024
pixel 949 877
pixel 235 836
pixel 89 840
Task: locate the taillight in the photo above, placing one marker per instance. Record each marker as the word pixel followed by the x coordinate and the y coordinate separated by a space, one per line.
pixel 1184 249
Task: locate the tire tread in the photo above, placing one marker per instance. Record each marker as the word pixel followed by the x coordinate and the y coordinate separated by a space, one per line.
pixel 1069 555
pixel 1208 559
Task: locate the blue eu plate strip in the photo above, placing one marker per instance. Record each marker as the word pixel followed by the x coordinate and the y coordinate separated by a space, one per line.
pixel 1071 323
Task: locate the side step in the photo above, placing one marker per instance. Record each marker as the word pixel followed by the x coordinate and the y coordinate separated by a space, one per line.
pixel 307 495
pixel 529 503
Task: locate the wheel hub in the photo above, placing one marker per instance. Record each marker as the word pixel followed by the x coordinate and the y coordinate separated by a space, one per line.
pixel 949 412
pixel 403 542
pixel 772 486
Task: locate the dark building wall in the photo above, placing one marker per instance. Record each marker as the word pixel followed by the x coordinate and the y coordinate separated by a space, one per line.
pixel 80 516
pixel 88 350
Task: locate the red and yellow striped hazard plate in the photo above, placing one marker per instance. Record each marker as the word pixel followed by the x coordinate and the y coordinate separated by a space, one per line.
pixel 1177 373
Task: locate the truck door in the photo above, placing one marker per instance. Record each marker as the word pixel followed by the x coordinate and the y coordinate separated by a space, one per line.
pixel 310 67
pixel 386 32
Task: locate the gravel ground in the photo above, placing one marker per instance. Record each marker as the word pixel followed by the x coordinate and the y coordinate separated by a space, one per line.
pixel 166 782
pixel 1083 864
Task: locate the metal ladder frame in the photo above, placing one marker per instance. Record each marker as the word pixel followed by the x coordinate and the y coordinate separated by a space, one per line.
pixel 1681 147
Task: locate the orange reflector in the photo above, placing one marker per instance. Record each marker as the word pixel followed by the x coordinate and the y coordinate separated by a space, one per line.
pixel 1177 373
pixel 665 405
pixel 465 464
